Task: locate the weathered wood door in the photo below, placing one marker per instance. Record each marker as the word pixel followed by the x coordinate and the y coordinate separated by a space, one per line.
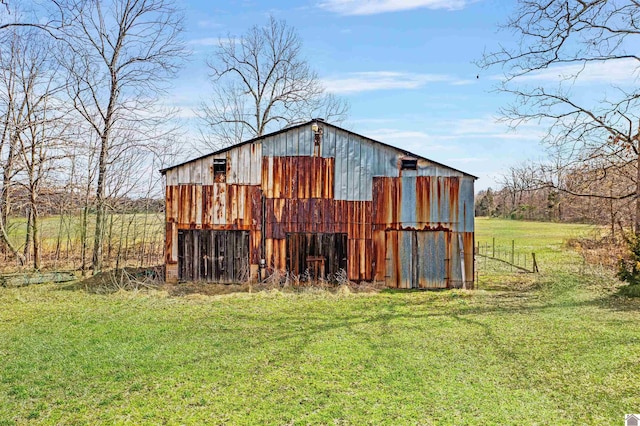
pixel 417 259
pixel 215 256
pixel 316 255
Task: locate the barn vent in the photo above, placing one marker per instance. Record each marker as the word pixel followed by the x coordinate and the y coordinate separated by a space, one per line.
pixel 220 170
pixel 409 164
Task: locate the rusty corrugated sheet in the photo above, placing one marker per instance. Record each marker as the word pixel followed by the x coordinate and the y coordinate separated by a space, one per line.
pixel 297 177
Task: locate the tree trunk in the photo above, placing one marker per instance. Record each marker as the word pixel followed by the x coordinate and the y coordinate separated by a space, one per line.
pixel 637 215
pixel 100 206
pixel 36 237
pixel 83 238
pixel 27 238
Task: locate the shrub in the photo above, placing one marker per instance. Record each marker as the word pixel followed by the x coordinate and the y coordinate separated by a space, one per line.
pixel 629 267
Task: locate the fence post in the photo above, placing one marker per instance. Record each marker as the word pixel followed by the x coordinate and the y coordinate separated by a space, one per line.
pixel 534 267
pixel 513 249
pixel 494 247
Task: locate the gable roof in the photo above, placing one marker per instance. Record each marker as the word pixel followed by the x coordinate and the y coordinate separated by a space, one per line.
pixel 320 122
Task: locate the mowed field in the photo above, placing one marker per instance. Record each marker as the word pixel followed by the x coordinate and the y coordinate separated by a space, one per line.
pixel 559 347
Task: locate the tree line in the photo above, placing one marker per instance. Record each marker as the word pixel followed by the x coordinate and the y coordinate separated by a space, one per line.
pixel 86 121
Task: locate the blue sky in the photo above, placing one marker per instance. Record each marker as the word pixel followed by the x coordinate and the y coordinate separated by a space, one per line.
pixel 405 66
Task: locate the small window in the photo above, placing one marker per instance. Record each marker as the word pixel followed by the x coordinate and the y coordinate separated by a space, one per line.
pixel 409 164
pixel 220 170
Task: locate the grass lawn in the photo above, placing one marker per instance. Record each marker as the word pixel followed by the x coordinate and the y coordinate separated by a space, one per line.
pixel 556 348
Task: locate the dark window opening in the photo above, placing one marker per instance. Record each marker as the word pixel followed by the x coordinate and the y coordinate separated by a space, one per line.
pixel 220 170
pixel 409 164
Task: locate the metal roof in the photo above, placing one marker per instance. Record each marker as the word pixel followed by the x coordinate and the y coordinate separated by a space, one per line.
pixel 323 123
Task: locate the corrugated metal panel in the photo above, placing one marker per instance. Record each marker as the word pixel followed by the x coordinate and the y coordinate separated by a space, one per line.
pixel 431 255
pixel 366 176
pixel 455 272
pixel 466 203
pixel 298 177
pixel 184 176
pixel 353 158
pixel 340 179
pixel 386 163
pixel 172 197
pixel 305 141
pixel 232 166
pixel 196 172
pixel 292 143
pixel 172 177
pixel 256 164
pixel 197 205
pixel 407 204
pixel 278 145
pixel 171 255
pixel 417 202
pixel 243 166
pixel 329 142
pixel 426 168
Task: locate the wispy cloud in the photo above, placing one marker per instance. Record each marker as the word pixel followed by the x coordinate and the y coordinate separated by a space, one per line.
pixel 619 71
pixel 207 41
pixel 384 80
pixel 412 140
pixel 371 7
pixel 210 41
pixel 209 23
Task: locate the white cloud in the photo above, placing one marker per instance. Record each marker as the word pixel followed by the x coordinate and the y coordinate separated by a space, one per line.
pixel 411 140
pixel 383 80
pixel 619 71
pixel 489 128
pixel 209 23
pixel 371 7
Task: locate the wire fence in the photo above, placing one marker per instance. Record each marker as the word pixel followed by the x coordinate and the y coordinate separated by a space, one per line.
pixel 516 258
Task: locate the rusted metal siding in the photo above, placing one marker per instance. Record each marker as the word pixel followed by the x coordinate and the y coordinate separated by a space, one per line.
pixel 299 198
pixel 298 177
pixel 433 208
pixel 405 227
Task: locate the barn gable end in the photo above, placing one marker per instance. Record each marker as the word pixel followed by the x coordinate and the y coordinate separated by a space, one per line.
pixel 316 200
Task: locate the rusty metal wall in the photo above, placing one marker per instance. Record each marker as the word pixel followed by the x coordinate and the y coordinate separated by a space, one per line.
pixel 299 198
pixel 425 205
pixel 289 183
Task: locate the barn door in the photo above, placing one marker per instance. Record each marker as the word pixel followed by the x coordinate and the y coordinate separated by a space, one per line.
pixel 416 259
pixel 431 259
pixel 214 256
pixel 316 255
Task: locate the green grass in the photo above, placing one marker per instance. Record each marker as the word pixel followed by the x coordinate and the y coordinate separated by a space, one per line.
pixel 61 238
pixel 70 227
pixel 564 351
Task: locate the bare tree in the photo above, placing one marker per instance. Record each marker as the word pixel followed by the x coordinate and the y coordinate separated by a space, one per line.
pixel 261 82
pixel 12 105
pixel 575 35
pixel 121 55
pixel 14 15
pixel 42 138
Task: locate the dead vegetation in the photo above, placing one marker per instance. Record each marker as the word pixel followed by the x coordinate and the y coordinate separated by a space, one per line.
pixel 141 279
pixel 277 281
pixel 603 252
pixel 124 279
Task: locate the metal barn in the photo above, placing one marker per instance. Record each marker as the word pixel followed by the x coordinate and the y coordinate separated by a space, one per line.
pixel 317 200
